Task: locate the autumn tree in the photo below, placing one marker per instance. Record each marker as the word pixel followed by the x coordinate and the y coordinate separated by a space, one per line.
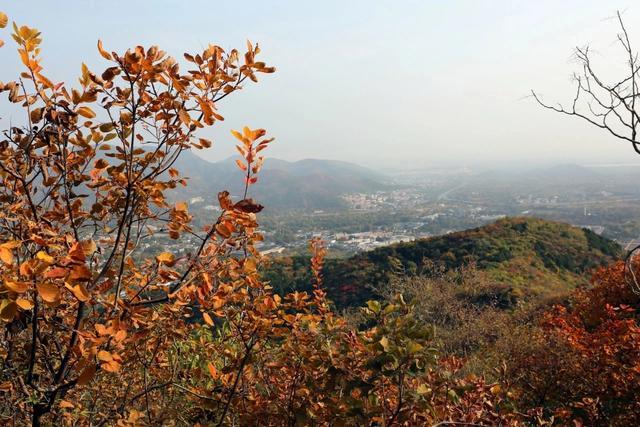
pixel 581 364
pixel 83 179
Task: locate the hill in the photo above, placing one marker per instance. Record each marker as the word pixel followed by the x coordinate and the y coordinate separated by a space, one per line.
pixel 305 184
pixel 527 257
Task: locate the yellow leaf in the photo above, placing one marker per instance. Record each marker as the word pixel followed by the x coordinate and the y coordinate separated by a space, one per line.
pixel 384 342
pixel 495 389
pixel 45 257
pixel 237 134
pixel 414 347
pixel 86 112
pixel 250 265
pixel 48 292
pixel 24 304
pixel 89 247
pixel 3 19
pixel 423 389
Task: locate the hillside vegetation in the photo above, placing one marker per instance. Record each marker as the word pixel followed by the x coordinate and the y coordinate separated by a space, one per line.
pixel 525 256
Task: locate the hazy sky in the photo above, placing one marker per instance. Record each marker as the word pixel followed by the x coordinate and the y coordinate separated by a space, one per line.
pixel 374 82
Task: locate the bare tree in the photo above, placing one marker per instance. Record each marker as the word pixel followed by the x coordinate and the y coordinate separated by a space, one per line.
pixel 608 106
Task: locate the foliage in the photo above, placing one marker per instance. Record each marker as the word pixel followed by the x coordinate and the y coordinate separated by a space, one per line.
pixel 582 363
pixel 469 310
pixel 97 333
pixel 82 182
pixel 527 256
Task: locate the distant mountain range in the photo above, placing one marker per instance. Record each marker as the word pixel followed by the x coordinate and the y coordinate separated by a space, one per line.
pixel 526 257
pixel 305 184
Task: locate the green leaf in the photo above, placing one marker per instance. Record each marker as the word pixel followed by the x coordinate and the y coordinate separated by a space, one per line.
pixel 422 389
pixel 414 347
pixel 374 306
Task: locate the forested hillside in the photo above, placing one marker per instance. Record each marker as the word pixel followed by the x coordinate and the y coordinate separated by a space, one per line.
pixel 526 256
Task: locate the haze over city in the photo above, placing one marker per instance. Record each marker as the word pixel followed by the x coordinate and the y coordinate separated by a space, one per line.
pixel 384 84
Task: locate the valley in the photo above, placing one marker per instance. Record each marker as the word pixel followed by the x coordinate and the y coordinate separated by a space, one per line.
pixel 355 209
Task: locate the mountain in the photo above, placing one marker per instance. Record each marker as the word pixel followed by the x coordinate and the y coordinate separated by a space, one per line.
pixel 305 184
pixel 526 257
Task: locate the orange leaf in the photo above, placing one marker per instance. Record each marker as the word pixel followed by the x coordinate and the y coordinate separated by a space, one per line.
pixel 166 258
pixel 111 366
pixel 181 207
pixel 105 356
pixel 212 370
pixel 104 53
pixel 11 244
pixel 120 335
pixel 65 404
pixel 80 292
pixel 26 269
pixel 6 256
pixel 207 319
pixel 48 292
pixel 223 230
pixel 17 287
pixel 55 273
pixel 80 272
pixel 205 142
pixel 77 252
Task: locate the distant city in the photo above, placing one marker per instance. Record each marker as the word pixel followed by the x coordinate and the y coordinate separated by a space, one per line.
pixel 401 207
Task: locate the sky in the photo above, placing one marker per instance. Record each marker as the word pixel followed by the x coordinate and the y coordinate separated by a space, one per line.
pixel 387 84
